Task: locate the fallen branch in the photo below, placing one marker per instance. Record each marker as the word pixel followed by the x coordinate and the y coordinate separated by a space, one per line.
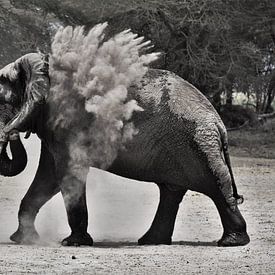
pixel 239 127
pixel 266 116
pixel 261 119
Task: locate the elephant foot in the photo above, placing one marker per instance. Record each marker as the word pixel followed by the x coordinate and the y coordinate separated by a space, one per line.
pixel 29 236
pixel 78 239
pixel 149 239
pixel 234 239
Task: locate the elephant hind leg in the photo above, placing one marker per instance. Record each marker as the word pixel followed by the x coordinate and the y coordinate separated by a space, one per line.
pixel 162 227
pixel 234 225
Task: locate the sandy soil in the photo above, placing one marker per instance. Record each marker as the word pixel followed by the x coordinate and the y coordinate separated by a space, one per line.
pixel 121 211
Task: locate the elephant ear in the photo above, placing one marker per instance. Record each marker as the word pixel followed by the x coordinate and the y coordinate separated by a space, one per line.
pixel 26 78
pixel 32 71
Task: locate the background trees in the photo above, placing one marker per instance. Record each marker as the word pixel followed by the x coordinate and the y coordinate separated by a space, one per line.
pixel 223 47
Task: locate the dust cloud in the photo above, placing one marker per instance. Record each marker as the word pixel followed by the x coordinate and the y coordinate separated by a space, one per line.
pixel 88 99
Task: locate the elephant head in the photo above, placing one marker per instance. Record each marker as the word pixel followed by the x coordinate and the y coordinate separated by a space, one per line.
pixel 11 167
pixel 11 96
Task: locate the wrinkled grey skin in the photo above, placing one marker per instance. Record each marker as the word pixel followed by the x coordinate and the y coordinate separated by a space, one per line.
pixel 181 145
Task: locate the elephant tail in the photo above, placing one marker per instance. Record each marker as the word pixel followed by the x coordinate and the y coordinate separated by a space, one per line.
pixel 224 141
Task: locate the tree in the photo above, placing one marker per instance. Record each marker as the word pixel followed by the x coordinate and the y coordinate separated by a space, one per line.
pixel 220 46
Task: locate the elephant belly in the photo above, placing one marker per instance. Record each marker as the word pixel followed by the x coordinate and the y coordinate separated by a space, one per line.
pixel 164 156
pixel 136 161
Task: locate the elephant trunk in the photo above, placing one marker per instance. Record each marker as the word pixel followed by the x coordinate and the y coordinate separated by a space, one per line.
pixel 12 167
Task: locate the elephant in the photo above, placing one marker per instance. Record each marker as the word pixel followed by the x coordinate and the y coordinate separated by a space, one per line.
pixel 181 145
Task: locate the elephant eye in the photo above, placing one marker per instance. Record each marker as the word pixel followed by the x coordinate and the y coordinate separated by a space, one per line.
pixel 4 80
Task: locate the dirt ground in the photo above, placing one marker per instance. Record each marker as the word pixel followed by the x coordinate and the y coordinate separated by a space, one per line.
pixel 121 211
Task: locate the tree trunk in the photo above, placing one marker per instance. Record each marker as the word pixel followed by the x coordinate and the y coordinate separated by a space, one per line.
pixel 216 101
pixel 270 94
pixel 229 97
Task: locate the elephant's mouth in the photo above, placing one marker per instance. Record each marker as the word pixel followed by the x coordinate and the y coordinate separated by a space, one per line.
pixel 11 167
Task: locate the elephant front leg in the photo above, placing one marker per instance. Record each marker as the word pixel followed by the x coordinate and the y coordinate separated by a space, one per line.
pixel 162 228
pixel 74 195
pixel 43 188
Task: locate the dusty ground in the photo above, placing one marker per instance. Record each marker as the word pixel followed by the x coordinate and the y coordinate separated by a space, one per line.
pixel 121 211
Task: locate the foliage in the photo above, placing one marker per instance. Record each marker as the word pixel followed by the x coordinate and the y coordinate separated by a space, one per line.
pixel 237 115
pixel 220 46
pixel 22 31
